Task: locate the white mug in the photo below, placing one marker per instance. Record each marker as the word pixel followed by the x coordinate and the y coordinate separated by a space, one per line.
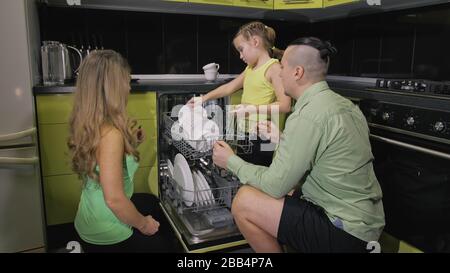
pixel 211 71
pixel 211 75
pixel 212 66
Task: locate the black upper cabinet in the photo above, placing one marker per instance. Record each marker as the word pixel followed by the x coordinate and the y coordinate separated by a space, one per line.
pixel 342 63
pixel 145 42
pixel 106 29
pixel 402 44
pixel 397 45
pixel 366 53
pixel 180 44
pixel 431 58
pixel 213 42
pixel 72 32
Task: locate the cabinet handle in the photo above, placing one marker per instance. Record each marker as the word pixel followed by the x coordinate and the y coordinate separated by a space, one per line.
pixel 19 160
pixel 411 147
pixel 18 135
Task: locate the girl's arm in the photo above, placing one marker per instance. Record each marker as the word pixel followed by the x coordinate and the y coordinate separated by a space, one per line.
pixel 283 101
pixel 224 90
pixel 110 154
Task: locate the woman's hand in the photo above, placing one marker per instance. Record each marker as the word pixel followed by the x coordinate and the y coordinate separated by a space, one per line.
pixel 221 153
pixel 268 130
pixel 150 226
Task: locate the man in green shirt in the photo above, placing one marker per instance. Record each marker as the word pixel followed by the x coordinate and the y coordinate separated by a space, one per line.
pixel 324 153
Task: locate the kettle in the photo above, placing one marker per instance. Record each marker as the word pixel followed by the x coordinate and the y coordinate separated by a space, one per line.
pixel 57 65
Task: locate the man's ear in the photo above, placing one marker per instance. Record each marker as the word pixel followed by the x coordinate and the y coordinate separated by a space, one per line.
pixel 299 72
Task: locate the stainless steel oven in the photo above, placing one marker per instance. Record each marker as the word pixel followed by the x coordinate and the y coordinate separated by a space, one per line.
pixel 204 222
pixel 411 146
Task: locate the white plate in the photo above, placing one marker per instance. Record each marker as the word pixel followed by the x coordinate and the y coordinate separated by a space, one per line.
pixel 183 176
pixel 206 189
pixel 170 167
pixel 199 183
pixel 191 120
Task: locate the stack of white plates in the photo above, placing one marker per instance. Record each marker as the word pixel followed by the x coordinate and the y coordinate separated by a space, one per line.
pixel 194 127
pixel 204 193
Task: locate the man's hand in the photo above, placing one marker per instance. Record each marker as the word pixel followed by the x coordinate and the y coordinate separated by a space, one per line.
pixel 221 153
pixel 268 130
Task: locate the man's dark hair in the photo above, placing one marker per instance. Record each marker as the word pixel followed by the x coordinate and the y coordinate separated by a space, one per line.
pixel 313 55
pixel 325 48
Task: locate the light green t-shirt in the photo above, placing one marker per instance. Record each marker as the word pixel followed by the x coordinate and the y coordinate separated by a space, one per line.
pixel 95 222
pixel 325 149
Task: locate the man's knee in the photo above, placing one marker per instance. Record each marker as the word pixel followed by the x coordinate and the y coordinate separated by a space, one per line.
pixel 242 200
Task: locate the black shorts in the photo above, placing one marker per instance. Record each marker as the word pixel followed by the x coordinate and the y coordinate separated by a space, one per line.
pixel 306 228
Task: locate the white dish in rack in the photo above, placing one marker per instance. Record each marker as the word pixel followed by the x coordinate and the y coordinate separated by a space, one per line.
pixel 183 176
pixel 206 190
pixel 201 199
pixel 170 167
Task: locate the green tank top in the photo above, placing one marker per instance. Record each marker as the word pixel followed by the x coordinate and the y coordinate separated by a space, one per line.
pixel 95 222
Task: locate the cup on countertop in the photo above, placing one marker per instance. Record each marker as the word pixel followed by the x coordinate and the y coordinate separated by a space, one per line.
pixel 211 71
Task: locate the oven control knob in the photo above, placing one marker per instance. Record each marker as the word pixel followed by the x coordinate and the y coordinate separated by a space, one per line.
pixel 386 116
pixel 439 127
pixel 410 121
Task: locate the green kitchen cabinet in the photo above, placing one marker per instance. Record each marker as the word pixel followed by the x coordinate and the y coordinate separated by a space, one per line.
pixel 142 105
pixel 262 4
pixel 147 149
pixel 330 3
pixel 140 179
pixel 152 180
pixel 215 2
pixel 55 159
pixel 61 195
pixel 289 4
pixel 54 109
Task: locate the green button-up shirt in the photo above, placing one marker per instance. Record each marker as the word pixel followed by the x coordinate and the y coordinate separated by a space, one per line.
pixel 325 149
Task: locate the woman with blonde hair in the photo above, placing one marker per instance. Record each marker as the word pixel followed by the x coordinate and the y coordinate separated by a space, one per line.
pixel 103 144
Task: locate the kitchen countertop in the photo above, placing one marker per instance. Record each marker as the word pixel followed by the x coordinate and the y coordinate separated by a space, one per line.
pixel 148 85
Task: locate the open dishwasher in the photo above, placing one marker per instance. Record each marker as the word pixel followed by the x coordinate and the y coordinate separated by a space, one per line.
pixel 200 213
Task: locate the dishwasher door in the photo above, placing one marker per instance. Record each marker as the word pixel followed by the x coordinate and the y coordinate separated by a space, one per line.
pixel 203 223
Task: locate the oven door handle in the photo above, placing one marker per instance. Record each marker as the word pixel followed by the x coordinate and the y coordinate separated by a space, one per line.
pixel 411 147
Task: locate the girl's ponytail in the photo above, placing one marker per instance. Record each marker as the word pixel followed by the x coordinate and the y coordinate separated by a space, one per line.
pixel 277 53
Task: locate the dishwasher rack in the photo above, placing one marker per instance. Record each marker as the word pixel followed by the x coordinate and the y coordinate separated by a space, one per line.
pixel 239 143
pixel 213 211
pixel 221 193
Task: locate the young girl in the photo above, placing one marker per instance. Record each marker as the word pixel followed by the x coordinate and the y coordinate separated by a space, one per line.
pixel 103 146
pixel 261 83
